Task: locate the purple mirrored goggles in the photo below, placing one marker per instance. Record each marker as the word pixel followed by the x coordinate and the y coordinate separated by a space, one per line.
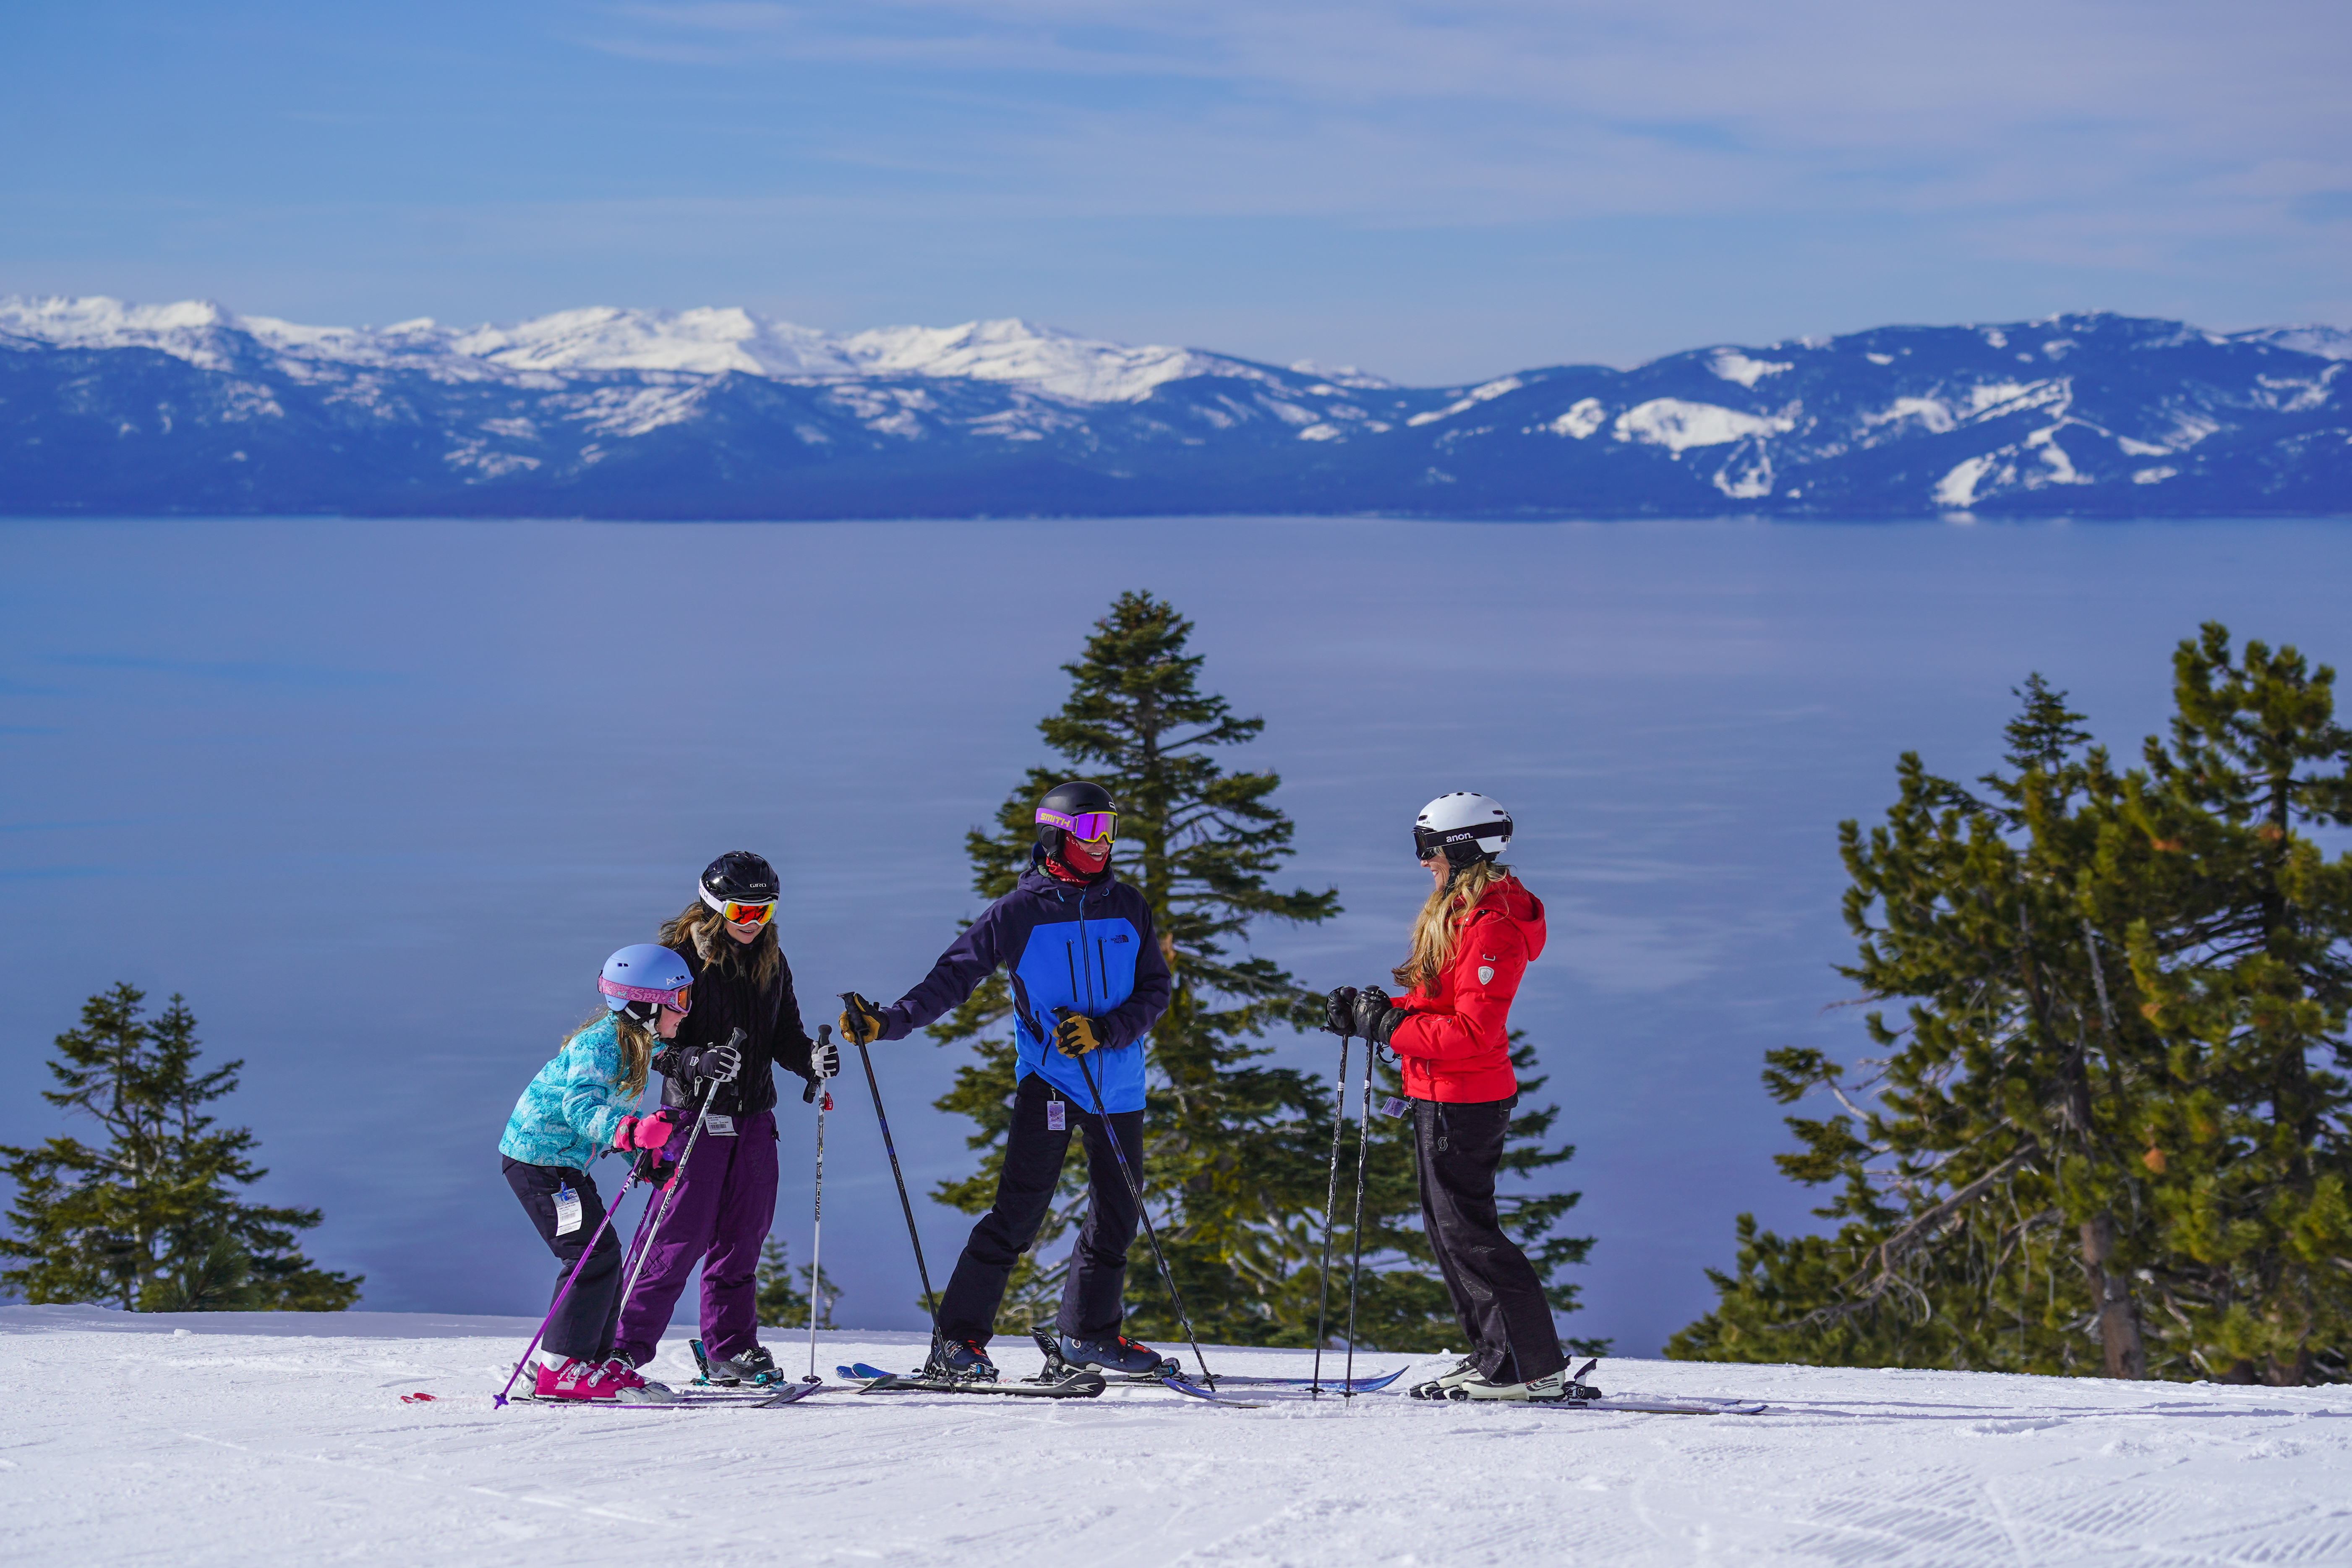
pixel 1086 826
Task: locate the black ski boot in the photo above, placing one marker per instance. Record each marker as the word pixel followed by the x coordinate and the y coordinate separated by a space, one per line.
pixel 961 1361
pixel 755 1366
pixel 1116 1353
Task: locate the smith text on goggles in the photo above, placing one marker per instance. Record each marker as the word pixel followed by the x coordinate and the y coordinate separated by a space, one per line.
pixel 1086 826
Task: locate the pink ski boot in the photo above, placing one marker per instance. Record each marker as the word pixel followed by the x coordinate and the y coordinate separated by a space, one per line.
pixel 573 1379
pixel 618 1381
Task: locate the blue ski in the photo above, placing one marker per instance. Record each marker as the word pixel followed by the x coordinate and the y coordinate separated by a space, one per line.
pixel 1368 1384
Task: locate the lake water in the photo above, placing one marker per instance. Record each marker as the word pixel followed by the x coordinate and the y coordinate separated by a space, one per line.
pixel 380 796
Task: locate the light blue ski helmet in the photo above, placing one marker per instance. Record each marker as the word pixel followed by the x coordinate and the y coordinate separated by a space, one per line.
pixel 642 979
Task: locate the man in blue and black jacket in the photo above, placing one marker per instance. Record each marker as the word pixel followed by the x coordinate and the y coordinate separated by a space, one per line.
pixel 1089 981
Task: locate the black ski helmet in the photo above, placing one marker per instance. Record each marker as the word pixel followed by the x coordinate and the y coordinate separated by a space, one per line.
pixel 1075 798
pixel 740 875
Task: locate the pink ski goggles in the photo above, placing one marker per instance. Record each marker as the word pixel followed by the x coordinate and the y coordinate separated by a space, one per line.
pixel 679 1001
pixel 1086 826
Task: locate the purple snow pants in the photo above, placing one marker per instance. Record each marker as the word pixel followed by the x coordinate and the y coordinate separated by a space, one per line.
pixel 725 1201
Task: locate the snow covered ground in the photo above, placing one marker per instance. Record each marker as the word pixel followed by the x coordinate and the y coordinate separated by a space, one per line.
pixel 261 1439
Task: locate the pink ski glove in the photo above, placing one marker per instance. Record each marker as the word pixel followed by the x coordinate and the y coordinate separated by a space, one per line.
pixel 643 1132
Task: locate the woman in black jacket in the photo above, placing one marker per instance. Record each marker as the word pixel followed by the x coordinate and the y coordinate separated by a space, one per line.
pixel 745 1023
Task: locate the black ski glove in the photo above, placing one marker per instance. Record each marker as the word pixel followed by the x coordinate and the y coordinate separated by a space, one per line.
pixel 718 1064
pixel 1339 1012
pixel 1377 1017
pixel 1074 1033
pixel 861 1021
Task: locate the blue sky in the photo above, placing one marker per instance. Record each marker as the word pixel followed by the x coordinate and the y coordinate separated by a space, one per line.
pixel 1434 192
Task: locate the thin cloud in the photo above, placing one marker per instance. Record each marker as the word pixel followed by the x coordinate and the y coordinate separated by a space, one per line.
pixel 1504 111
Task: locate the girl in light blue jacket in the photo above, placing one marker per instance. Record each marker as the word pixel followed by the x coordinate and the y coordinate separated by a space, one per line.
pixel 573 1109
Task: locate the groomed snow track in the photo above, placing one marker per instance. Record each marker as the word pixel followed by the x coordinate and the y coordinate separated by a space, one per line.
pixel 259 1440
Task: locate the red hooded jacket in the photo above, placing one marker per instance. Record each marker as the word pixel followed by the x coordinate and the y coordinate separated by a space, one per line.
pixel 1457 1047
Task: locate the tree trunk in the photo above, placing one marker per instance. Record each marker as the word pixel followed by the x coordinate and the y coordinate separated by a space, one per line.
pixel 2111 1291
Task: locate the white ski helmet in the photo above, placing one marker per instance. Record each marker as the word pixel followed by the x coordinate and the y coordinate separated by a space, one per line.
pixel 1462 826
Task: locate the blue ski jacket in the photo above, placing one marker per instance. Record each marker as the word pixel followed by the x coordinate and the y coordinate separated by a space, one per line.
pixel 1088 948
pixel 572 1106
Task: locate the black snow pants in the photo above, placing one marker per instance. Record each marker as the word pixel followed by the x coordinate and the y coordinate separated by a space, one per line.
pixel 583 1327
pixel 1497 1297
pixel 1032 1169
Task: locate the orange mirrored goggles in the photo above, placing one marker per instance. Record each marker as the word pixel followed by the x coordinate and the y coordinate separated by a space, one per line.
pixel 738 914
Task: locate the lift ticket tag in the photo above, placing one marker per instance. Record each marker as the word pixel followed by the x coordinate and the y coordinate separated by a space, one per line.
pixel 567 1210
pixel 1057 1116
pixel 718 1126
pixel 1393 1106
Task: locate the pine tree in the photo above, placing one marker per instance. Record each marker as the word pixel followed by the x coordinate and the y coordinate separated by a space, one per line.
pixel 1236 1149
pixel 2100 1132
pixel 151 1220
pixel 2247 986
pixel 783 1304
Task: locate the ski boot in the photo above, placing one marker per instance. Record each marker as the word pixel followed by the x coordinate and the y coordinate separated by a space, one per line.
pixel 1541 1390
pixel 1116 1353
pixel 959 1361
pixel 1436 1387
pixel 619 1381
pixel 569 1378
pixel 755 1366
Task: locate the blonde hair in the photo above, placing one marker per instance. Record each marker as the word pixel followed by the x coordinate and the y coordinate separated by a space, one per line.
pixel 704 927
pixel 1439 925
pixel 636 1042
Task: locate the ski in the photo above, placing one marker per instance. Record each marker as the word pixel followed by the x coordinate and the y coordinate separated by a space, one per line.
pixel 1169 1373
pixel 1273 1390
pixel 1175 1385
pixel 1078 1385
pixel 1368 1384
pixel 1615 1407
pixel 759 1400
pixel 790 1394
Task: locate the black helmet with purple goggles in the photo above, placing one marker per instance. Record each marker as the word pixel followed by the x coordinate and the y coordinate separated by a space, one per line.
pixel 1085 811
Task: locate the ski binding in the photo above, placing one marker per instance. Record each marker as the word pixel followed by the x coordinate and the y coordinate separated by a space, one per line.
pixel 1083 1385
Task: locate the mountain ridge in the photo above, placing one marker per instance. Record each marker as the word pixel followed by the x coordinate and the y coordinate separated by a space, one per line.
pixel 726 413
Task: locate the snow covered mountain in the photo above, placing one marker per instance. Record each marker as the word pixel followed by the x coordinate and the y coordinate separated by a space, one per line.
pixel 108 408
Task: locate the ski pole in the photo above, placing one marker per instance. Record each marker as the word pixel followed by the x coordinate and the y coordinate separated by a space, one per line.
pixel 499 1398
pixel 1330 1205
pixel 678 1179
pixel 1135 1191
pixel 875 1088
pixel 1363 1147
pixel 816 1224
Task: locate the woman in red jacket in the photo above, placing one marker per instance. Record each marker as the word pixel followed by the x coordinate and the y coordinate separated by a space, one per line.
pixel 1451 1032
